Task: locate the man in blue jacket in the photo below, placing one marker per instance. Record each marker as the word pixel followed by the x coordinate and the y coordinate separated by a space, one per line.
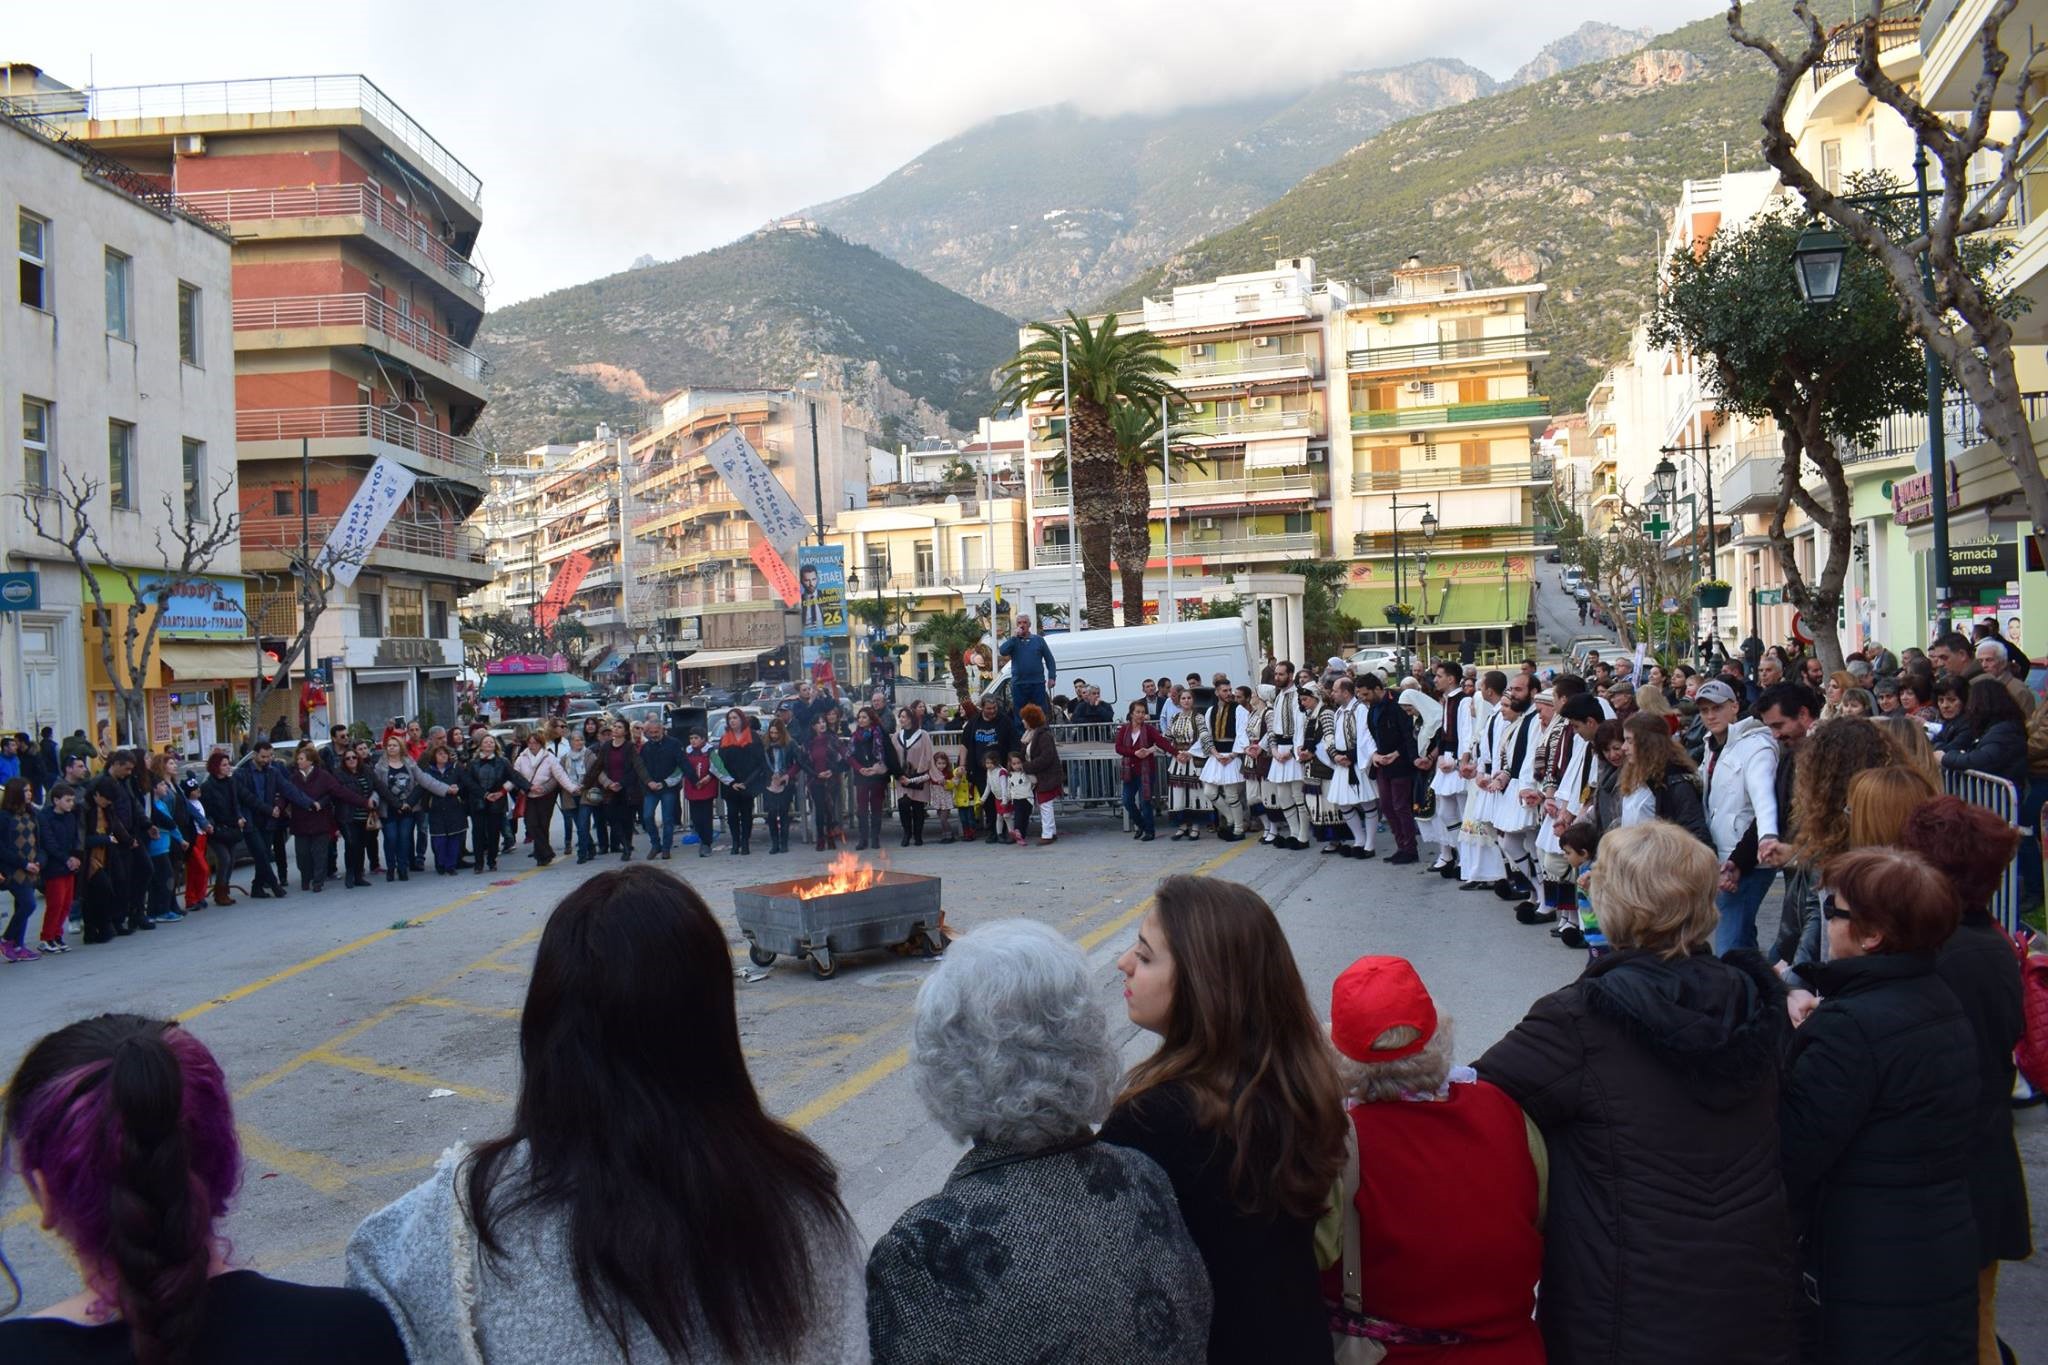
pixel 263 793
pixel 658 763
pixel 1032 667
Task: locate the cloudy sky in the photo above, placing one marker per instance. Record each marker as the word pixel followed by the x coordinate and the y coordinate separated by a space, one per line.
pixel 611 128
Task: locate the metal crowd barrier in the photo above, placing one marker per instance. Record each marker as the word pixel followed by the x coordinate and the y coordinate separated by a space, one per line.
pixel 2002 799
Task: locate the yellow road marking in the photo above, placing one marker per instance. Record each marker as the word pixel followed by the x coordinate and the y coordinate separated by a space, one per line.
pixel 852 1086
pixel 502 967
pixel 347 1035
pixel 368 1067
pixel 437 1002
pixel 308 1168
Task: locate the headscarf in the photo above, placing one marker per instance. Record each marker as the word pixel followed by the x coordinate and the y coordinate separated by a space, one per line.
pixel 1429 709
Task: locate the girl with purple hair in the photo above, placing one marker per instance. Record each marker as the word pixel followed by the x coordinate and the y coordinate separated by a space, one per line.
pixel 121 1128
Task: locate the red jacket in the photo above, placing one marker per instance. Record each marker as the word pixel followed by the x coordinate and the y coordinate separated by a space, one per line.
pixel 698 783
pixel 1128 745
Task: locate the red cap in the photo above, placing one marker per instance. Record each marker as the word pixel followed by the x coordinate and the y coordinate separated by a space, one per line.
pixel 1373 995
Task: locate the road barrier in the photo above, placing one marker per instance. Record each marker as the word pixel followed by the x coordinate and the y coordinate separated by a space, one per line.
pixel 2001 798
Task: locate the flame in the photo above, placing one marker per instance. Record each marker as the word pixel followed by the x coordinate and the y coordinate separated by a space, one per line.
pixel 847 874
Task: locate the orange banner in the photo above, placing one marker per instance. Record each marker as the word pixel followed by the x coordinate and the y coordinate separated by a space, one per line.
pixel 568 578
pixel 776 570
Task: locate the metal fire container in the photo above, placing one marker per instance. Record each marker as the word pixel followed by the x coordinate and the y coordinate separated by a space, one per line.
pixel 899 909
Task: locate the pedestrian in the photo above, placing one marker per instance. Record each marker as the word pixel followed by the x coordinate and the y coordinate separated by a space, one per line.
pixel 60 854
pixel 782 769
pixel 1445 1224
pixel 1880 1124
pixel 264 796
pixel 1225 732
pixel 1038 757
pixel 1654 1081
pixel 1017 788
pixel 21 867
pixel 1655 780
pixel 1287 737
pixel 1480 865
pixel 1345 746
pixel 447 806
pixel 123 827
pixel 1070 1233
pixel 401 806
pixel 1515 799
pixel 163 885
pixel 1240 1106
pixel 1140 745
pixel 945 800
pixel 1970 847
pixel 868 758
pixel 553 1242
pixel 488 782
pixel 1184 799
pixel 197 827
pixel 910 763
pixel 123 1127
pixel 313 815
pixel 1393 764
pixel 1032 667
pixel 658 778
pixel 618 790
pixel 360 824
pixel 742 771
pixel 1830 759
pixel 824 762
pixel 546 781
pixel 1991 736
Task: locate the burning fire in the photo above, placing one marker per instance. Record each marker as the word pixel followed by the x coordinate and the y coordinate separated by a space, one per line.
pixel 848 874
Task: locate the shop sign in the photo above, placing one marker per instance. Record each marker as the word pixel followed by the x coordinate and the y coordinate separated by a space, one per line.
pixel 195 606
pixel 1913 498
pixel 20 591
pixel 410 653
pixel 1983 566
pixel 529 663
pixel 1770 597
pixel 1366 572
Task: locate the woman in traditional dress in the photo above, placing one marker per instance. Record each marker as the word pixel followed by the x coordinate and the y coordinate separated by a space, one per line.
pixel 1184 770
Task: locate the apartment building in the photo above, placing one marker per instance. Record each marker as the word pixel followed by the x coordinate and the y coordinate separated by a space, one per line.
pixel 355 300
pixel 116 367
pixel 508 520
pixel 582 509
pixel 699 603
pixel 1252 358
pixel 1444 489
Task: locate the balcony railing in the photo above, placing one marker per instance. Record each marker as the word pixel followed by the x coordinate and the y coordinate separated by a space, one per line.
pixel 277 95
pixel 1449 475
pixel 1456 542
pixel 1898 25
pixel 1446 352
pixel 360 310
pixel 435 540
pixel 1198 489
pixel 1497 410
pixel 1198 546
pixel 1251 362
pixel 338 201
pixel 1240 423
pixel 359 421
pixel 695 596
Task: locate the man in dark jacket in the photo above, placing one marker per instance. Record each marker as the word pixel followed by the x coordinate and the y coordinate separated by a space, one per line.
pixel 128 859
pixel 658 767
pixel 77 745
pixel 263 794
pixel 1032 667
pixel 990 731
pixel 1393 763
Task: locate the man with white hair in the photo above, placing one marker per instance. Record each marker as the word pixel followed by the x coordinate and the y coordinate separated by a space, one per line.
pixel 1285 732
pixel 1078 1230
pixel 1997 664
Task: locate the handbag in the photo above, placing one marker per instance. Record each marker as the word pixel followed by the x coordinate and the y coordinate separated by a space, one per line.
pixel 1349 1345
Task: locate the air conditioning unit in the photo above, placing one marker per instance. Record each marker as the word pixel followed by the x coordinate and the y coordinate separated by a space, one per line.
pixel 1200 348
pixel 1257 402
pixel 1261 343
pixel 1416 386
pixel 1416 438
pixel 1497 306
pixel 1197 409
pixel 1205 523
pixel 189 144
pixel 1039 421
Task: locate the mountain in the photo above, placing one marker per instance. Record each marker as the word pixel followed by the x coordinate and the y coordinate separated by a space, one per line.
pixel 1590 42
pixel 908 355
pixel 1038 211
pixel 1570 180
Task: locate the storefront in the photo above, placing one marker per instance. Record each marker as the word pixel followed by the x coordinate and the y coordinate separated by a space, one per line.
pixel 196 682
pixel 409 677
pixel 529 686
pixel 1992 571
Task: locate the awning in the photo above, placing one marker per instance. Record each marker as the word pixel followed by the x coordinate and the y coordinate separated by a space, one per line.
pixel 721 658
pixel 590 659
pixel 532 685
pixel 204 660
pixel 1290 453
pixel 611 661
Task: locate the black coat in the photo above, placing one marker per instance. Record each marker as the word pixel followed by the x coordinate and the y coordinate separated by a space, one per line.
pixel 1655 1084
pixel 1978 964
pixel 2000 751
pixel 1879 1117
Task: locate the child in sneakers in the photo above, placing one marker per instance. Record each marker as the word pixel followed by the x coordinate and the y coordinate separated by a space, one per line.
pixel 939 797
pixel 966 800
pixel 1580 842
pixel 995 798
pixel 60 854
pixel 1021 789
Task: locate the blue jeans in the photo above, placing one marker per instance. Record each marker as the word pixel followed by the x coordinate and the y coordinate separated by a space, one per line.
pixel 24 894
pixel 669 803
pixel 1138 805
pixel 578 817
pixel 1738 909
pixel 398 841
pixel 1023 693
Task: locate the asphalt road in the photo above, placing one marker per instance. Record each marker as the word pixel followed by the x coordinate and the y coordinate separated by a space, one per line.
pixel 366 1031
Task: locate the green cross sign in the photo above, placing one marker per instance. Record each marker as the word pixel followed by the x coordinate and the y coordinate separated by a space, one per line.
pixel 1656 526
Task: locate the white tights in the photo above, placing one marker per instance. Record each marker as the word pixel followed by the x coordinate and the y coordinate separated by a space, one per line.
pixel 1048 823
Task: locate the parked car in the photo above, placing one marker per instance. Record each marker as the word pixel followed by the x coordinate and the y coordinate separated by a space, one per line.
pixel 1383 660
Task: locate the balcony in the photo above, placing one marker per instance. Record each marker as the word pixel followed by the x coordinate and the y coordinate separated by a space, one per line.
pixel 300 320
pixel 1225 425
pixel 1831 90
pixel 275 101
pixel 693 596
pixel 1375 545
pixel 1208 371
pixel 1499 411
pixel 358 429
pixel 1520 346
pixel 1277 545
pixel 599 617
pixel 1276 485
pixel 410 236
pixel 604 533
pixel 1449 475
pixel 1751 484
pixel 446 549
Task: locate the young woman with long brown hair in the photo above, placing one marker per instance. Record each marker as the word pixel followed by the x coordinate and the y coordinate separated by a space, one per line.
pixel 1241 1107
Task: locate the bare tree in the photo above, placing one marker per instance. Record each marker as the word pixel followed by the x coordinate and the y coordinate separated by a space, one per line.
pixel 312 568
pixel 185 546
pixel 1965 323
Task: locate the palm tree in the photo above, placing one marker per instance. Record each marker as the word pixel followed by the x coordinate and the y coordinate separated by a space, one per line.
pixel 1136 429
pixel 1103 368
pixel 950 634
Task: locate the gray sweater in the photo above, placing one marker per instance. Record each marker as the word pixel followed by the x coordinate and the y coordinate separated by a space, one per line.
pixel 418 1256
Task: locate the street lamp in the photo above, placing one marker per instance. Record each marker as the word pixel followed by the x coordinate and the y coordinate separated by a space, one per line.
pixel 1429 526
pixel 880 573
pixel 1817 264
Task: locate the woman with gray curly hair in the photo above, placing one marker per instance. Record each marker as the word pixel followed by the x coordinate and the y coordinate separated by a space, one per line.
pixel 1044 1244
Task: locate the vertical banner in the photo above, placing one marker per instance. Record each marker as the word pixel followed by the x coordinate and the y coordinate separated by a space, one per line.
pixel 758 490
pixel 776 570
pixel 568 578
pixel 821 579
pixel 368 513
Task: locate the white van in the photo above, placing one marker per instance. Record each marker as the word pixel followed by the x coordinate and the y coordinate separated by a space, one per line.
pixel 1118 661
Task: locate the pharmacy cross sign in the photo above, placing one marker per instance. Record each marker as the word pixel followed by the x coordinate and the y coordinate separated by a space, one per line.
pixel 1656 526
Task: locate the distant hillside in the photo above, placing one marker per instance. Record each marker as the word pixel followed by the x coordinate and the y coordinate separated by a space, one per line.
pixel 1591 41
pixel 910 356
pixel 1567 180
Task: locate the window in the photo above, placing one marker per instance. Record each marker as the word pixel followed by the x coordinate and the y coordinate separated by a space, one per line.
pixel 117 295
pixel 437 619
pixel 1831 165
pixel 35 443
pixel 369 613
pixel 33 243
pixel 194 480
pixel 408 613
pixel 311 497
pixel 189 317
pixel 121 464
pixel 280 502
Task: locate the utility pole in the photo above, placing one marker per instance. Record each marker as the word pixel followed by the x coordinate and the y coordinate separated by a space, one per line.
pixel 817 472
pixel 1937 437
pixel 306 563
